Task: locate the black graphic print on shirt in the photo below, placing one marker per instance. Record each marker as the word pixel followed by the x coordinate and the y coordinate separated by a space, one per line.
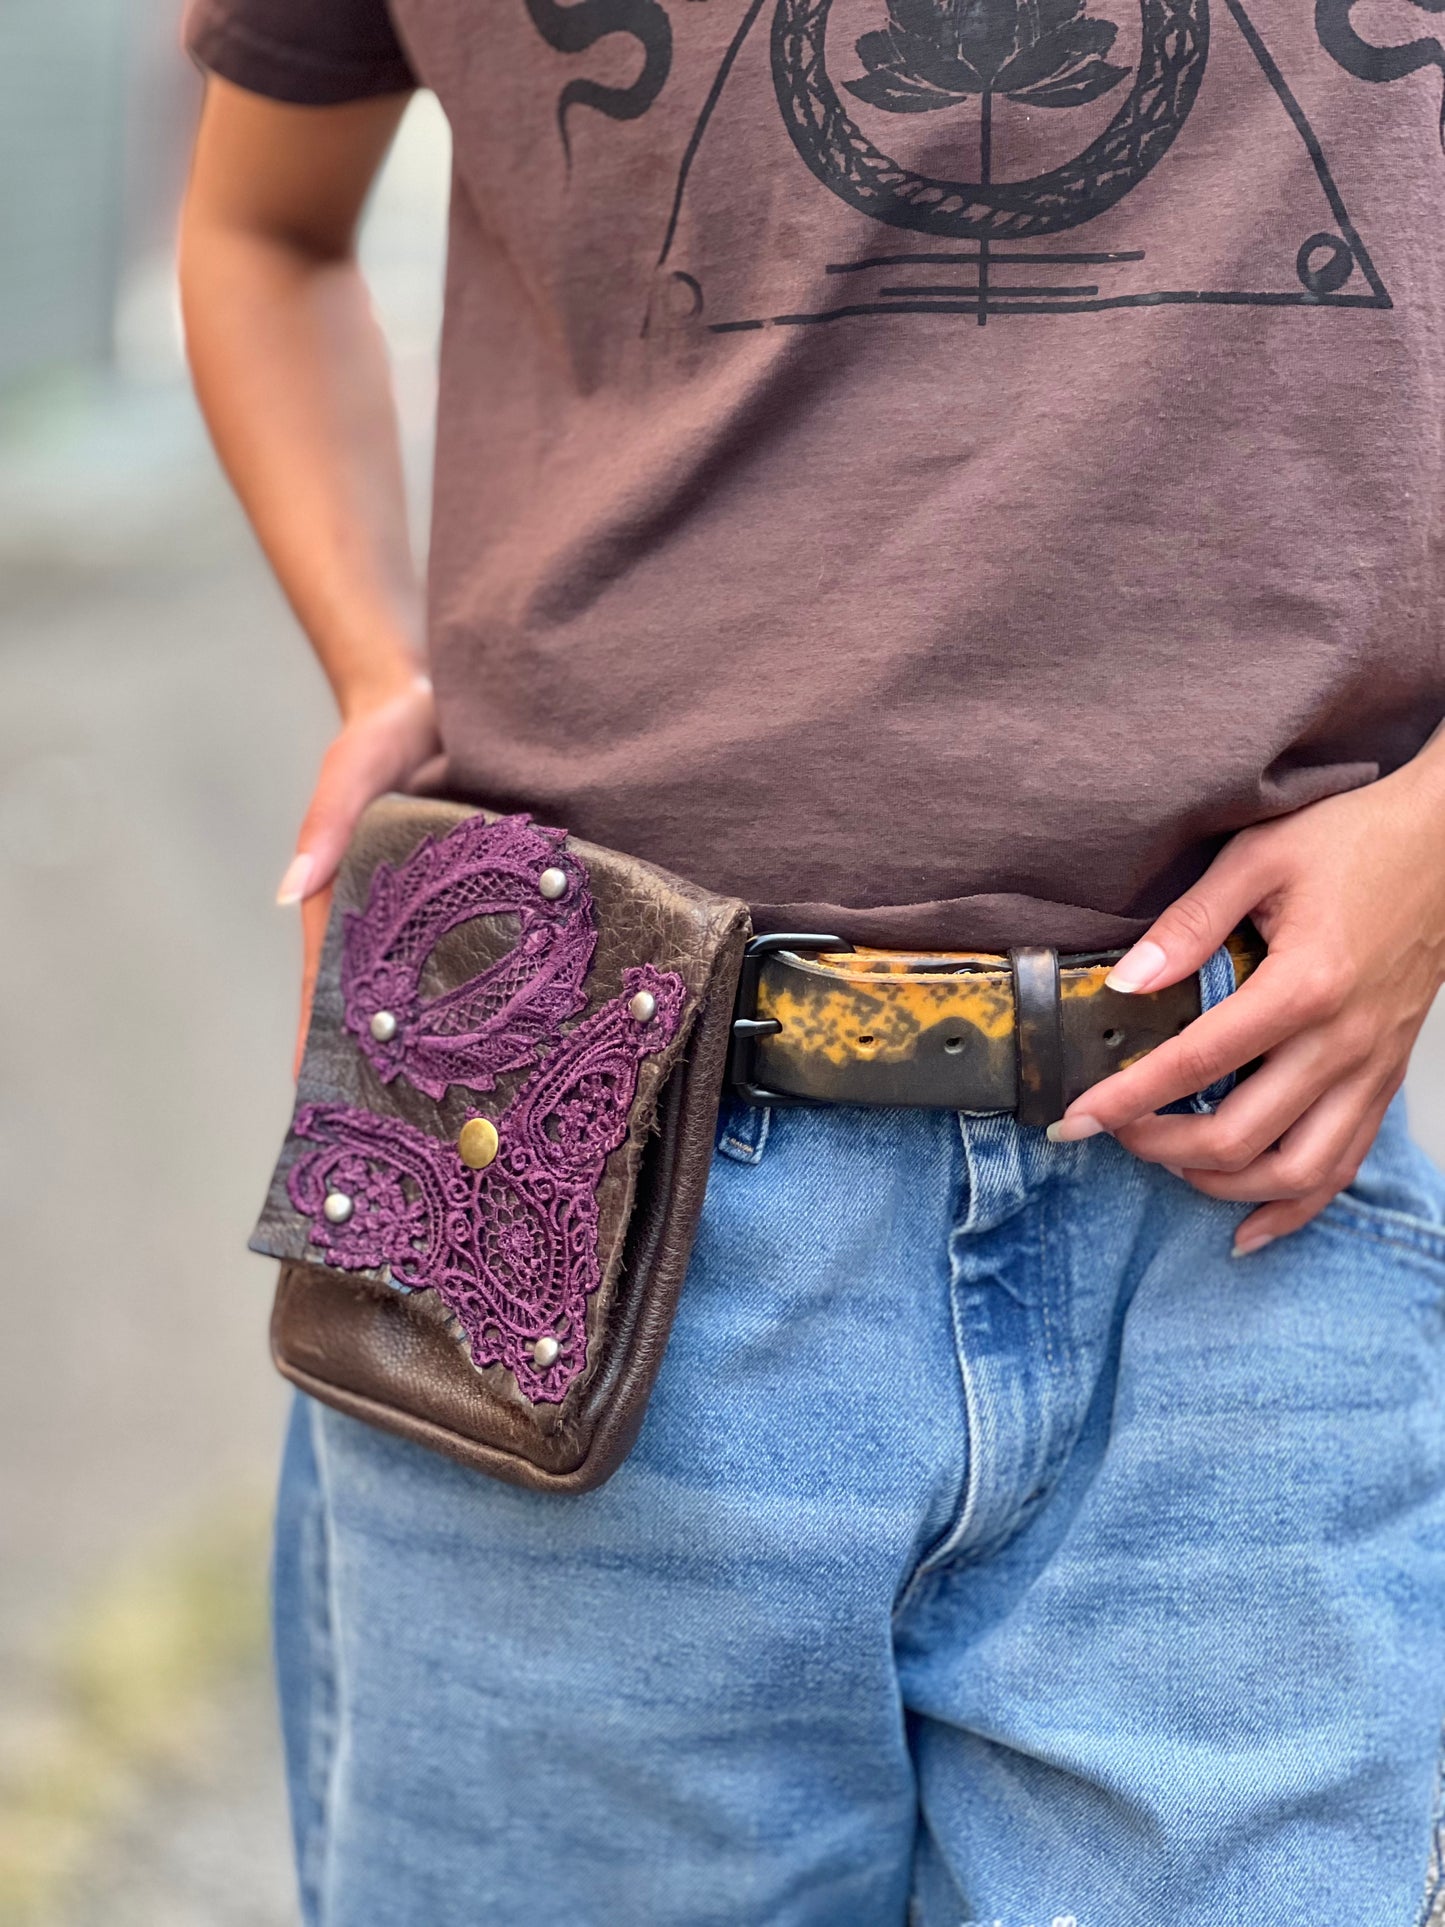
pixel 1025 51
pixel 1365 60
pixel 1049 54
pixel 573 28
pixel 998 133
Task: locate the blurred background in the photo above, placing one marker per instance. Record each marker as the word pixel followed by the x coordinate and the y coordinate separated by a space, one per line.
pixel 159 725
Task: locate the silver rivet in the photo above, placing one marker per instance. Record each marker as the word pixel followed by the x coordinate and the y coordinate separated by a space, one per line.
pixel 338 1207
pixel 383 1026
pixel 643 1007
pixel 545 1351
pixel 552 882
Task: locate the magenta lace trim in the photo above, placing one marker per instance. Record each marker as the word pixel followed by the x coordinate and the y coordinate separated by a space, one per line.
pixel 511 1250
pixel 494 1022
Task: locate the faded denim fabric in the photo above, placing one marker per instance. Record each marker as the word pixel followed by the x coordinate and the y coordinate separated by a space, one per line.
pixel 997 1550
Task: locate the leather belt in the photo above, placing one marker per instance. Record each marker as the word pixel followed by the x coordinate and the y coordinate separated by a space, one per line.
pixel 818 1022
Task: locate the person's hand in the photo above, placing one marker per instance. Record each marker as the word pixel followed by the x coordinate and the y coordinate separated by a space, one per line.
pixel 1349 894
pixel 381 746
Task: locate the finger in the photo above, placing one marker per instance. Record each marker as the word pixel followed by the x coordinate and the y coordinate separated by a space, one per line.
pixel 354 773
pixel 1311 1155
pixel 314 913
pixel 1278 1219
pixel 1274 1003
pixel 1196 924
pixel 361 764
pixel 1252 1119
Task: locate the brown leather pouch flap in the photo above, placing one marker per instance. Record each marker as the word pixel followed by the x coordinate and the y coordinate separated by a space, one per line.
pixel 504 1123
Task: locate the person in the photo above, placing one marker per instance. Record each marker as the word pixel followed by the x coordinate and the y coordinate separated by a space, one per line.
pixel 961 475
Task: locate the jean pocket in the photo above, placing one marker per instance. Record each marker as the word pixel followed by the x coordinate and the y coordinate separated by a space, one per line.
pixel 1399 1193
pixel 1389 1226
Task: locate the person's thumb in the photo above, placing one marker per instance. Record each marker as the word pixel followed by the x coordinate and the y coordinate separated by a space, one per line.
pixel 376 752
pixel 1196 924
pixel 352 775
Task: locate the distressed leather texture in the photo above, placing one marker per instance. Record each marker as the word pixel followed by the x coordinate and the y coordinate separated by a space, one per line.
pixel 392 1358
pixel 948 1031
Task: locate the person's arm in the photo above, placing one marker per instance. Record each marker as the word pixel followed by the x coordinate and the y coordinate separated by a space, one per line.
pixel 1349 894
pixel 292 377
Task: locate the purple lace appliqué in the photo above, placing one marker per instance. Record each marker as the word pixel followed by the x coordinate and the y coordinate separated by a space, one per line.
pixel 511 1250
pixel 494 1022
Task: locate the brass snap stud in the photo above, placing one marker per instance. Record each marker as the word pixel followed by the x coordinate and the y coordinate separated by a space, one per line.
pixel 477 1143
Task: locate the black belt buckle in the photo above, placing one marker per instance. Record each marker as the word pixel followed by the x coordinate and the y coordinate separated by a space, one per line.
pixel 748 1027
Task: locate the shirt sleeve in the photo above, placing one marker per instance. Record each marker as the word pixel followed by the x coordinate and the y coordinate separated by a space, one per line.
pixel 315 53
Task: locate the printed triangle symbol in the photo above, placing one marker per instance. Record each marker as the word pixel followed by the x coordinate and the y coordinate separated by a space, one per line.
pixel 1060 265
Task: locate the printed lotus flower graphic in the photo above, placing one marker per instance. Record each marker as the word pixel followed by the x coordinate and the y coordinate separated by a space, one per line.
pixel 934 53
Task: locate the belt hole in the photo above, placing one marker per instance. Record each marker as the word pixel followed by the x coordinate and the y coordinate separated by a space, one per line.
pixel 1113 1038
pixel 953 1045
pixel 866 1040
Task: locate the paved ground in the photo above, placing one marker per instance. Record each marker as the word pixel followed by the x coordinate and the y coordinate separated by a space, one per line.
pixel 155 731
pixel 158 723
pixel 201 1843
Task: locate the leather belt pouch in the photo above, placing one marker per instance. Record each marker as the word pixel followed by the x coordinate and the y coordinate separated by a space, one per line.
pixel 504 1123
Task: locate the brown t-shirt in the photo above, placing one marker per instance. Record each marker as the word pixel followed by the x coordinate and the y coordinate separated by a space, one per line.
pixel 930 467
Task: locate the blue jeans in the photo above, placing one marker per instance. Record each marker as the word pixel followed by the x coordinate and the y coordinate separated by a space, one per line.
pixel 997 1549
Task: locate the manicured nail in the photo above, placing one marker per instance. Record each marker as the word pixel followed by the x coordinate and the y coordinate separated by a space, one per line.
pixel 1137 968
pixel 1255 1241
pixel 293 884
pixel 1069 1130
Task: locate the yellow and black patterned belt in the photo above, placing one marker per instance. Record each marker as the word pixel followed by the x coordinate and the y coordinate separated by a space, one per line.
pixel 819 1022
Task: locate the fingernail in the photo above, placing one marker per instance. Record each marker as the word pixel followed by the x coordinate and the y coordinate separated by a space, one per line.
pixel 1256 1241
pixel 1175 1171
pixel 1069 1130
pixel 293 884
pixel 1137 968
